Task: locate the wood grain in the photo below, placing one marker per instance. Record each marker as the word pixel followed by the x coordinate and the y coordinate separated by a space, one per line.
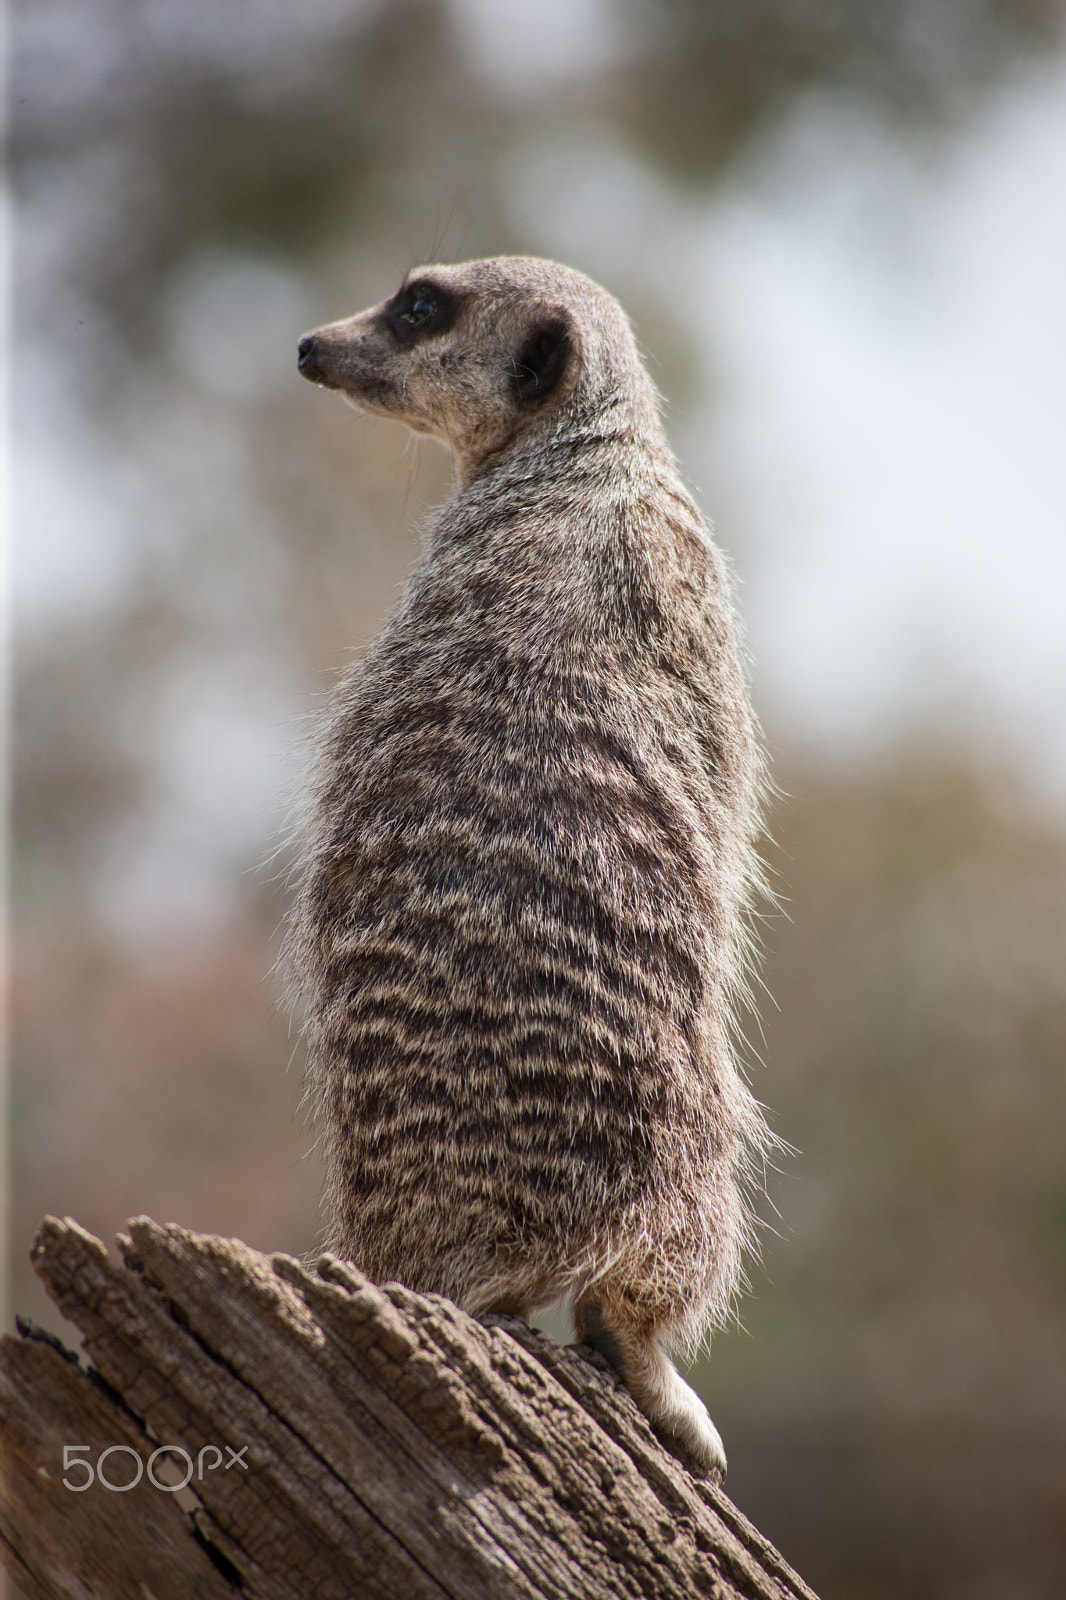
pixel 388 1444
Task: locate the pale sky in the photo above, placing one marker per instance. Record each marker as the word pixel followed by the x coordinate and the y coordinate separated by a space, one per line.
pixel 890 345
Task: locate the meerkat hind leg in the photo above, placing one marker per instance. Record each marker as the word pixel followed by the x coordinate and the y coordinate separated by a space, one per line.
pixel 658 1388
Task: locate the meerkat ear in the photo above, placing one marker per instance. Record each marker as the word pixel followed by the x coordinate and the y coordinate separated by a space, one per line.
pixel 541 361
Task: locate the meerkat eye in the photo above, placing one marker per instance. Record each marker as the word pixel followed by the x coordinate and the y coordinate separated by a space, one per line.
pixel 420 309
pixel 424 308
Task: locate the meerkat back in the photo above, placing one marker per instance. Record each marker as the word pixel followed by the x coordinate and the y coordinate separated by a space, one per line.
pixel 529 856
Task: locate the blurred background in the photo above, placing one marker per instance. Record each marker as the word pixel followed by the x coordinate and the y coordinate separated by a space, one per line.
pixel 840 229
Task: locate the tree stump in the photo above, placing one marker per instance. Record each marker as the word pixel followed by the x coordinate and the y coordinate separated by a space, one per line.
pixel 336 1439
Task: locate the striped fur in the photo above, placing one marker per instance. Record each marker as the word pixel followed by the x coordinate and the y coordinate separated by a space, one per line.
pixel 521 929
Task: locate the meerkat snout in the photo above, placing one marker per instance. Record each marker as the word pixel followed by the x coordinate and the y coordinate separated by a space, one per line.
pixel 523 919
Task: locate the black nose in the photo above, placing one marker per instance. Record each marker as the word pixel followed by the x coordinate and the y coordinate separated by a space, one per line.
pixel 308 357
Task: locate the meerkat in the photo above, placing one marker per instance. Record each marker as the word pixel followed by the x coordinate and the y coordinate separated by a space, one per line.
pixel 523 922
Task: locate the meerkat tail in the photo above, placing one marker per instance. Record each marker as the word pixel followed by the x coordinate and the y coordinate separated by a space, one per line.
pixel 660 1391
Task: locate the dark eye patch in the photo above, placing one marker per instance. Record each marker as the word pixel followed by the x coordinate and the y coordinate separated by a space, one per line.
pixel 419 310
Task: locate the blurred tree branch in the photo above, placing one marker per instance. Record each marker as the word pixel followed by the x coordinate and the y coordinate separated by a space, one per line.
pixel 279 148
pixel 703 77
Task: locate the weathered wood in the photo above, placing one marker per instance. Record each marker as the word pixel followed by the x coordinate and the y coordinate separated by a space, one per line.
pixel 387 1445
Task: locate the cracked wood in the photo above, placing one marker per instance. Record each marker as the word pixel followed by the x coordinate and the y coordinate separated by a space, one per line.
pixel 392 1445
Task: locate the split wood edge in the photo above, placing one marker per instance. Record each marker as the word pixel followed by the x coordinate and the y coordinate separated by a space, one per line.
pixel 338 1439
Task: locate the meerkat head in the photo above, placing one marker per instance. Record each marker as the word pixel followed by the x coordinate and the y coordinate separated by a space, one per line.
pixel 478 354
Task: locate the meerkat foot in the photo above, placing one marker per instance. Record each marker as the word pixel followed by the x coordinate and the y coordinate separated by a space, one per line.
pixel 660 1391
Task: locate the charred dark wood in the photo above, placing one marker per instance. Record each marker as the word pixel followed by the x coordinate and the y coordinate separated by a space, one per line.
pixel 340 1439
